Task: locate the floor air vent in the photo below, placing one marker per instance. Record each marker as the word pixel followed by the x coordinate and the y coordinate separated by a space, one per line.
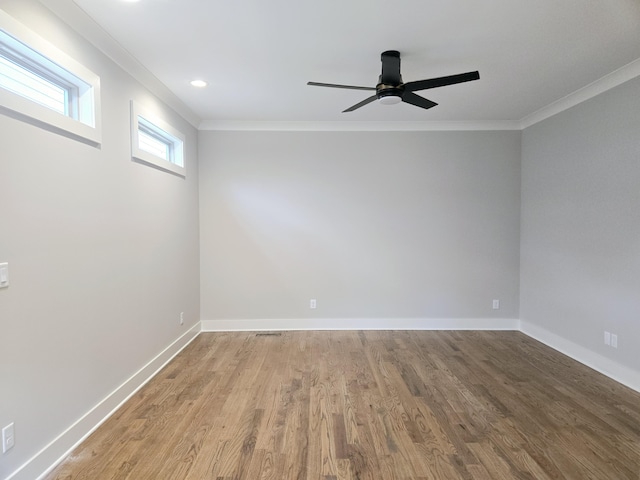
pixel 268 334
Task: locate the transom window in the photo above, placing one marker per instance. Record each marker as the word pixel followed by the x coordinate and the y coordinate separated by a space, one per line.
pixel 155 142
pixel 40 82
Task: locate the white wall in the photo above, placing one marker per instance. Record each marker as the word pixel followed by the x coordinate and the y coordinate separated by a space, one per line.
pixel 103 256
pixel 390 225
pixel 580 271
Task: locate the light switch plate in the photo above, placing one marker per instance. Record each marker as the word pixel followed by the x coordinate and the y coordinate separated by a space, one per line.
pixel 4 275
pixel 8 438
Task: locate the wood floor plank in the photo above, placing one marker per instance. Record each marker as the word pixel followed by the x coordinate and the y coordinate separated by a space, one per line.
pixel 368 405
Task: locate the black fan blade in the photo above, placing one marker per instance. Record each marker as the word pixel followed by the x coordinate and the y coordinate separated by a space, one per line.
pixel 441 81
pixel 390 68
pixel 333 85
pixel 361 104
pixel 417 100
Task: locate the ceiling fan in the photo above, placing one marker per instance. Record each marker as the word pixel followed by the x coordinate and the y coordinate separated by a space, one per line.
pixel 390 89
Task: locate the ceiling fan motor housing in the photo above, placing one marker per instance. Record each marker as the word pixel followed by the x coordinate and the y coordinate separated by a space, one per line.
pixel 389 92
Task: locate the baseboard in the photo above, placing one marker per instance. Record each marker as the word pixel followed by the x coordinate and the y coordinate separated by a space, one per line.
pixel 360 324
pixel 46 459
pixel 600 363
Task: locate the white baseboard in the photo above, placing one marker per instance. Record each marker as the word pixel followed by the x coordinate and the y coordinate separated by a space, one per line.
pixel 46 459
pixel 600 363
pixel 360 324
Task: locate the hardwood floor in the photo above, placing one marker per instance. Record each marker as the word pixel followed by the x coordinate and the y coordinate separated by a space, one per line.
pixel 368 405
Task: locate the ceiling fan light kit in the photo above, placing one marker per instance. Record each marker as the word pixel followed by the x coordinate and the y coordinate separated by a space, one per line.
pixel 390 99
pixel 390 89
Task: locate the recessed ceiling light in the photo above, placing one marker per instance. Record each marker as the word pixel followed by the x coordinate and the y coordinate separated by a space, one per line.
pixel 198 83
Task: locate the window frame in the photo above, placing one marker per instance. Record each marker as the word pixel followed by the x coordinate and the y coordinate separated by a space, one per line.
pixel 42 58
pixel 145 120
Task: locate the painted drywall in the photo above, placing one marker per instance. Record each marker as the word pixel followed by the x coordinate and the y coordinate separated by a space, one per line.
pixel 372 225
pixel 102 252
pixel 580 265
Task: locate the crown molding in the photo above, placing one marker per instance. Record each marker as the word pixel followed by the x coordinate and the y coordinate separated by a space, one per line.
pixel 609 81
pixel 347 126
pixel 74 16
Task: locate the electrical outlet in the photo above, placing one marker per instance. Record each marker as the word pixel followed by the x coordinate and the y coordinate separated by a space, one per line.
pixel 8 438
pixel 614 340
pixel 312 303
pixel 607 338
pixel 181 318
pixel 496 304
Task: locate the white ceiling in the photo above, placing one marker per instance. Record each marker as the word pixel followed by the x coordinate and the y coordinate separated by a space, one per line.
pixel 258 55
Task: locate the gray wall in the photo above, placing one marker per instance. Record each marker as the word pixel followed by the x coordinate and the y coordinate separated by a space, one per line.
pixel 103 256
pixel 104 252
pixel 580 271
pixel 371 224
